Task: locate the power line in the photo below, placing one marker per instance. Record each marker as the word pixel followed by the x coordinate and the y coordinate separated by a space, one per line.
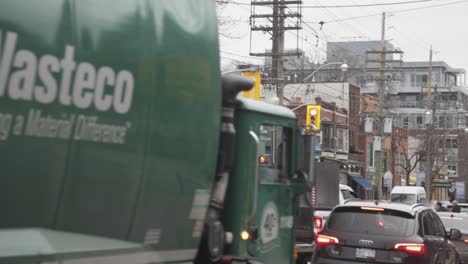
pixel 392 12
pixel 365 5
pixel 316 34
pixel 426 7
pixel 242 56
pixel 231 2
pixel 343 23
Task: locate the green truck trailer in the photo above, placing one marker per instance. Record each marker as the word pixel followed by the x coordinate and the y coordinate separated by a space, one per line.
pixel 121 143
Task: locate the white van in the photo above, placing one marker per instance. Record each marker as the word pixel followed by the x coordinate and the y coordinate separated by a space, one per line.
pixel 408 194
pixel 346 193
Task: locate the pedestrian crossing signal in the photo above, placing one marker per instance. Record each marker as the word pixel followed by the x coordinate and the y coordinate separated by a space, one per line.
pixel 313 117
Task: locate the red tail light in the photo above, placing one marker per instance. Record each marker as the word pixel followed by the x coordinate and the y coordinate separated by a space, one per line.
pixel 411 248
pixel 318 224
pixel 323 240
pixel 466 241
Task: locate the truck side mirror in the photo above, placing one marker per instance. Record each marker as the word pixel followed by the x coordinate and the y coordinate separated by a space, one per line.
pixel 300 183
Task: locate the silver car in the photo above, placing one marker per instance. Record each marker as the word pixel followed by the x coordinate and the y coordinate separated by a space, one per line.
pixel 457 221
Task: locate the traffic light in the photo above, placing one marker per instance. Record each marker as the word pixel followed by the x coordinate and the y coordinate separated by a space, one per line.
pixel 313 117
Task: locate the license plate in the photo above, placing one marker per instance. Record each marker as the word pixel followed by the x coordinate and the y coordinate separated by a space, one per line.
pixel 365 253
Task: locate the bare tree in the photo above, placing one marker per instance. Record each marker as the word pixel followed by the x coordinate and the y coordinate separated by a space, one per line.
pixel 411 159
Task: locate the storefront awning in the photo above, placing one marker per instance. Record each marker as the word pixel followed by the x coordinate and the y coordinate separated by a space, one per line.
pixel 363 182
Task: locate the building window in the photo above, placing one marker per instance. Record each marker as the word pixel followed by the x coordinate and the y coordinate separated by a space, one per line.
pixel 400 163
pixel 405 121
pixel 370 154
pixel 419 121
pixel 452 168
pixel 328 140
pixel 384 160
pixel 446 122
pixel 448 143
pixel 342 140
pixel 418 80
pixel 451 143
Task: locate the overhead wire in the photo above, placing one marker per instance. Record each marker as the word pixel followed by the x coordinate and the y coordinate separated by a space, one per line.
pixel 369 5
pixel 392 12
pixel 242 56
pixel 332 15
pixel 315 31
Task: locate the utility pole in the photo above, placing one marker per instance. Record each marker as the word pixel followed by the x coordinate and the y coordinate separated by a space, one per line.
pixel 274 24
pixel 379 156
pixel 381 80
pixel 429 79
pixel 429 131
pixel 278 48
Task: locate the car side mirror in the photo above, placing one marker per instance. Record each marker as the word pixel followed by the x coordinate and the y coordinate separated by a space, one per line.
pixel 455 234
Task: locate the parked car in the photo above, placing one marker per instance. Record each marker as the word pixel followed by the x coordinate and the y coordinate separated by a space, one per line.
pixel 384 232
pixel 457 221
pixel 463 207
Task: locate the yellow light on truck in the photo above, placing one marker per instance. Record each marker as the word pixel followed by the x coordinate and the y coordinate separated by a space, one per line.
pixel 245 235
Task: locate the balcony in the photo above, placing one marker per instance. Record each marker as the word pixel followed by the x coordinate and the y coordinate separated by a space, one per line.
pixel 421 104
pixel 405 104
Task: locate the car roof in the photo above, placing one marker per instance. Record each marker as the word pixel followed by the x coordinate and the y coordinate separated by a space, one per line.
pixel 346 187
pixel 411 209
pixel 408 189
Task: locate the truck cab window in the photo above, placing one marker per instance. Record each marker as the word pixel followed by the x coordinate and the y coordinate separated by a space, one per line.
pixel 274 152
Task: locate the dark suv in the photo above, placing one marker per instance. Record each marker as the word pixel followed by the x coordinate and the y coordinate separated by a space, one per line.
pixel 384 232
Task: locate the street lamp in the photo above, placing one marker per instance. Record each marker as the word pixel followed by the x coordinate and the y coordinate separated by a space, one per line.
pixel 344 67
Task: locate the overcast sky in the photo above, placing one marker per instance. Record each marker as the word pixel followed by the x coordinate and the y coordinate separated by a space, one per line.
pixel 440 23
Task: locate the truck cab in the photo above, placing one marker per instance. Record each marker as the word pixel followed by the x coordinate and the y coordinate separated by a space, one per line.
pixel 264 183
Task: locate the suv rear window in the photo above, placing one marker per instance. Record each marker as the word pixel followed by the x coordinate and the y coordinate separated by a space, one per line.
pixel 357 220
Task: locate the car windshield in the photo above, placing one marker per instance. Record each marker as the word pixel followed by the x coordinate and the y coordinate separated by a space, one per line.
pixel 385 222
pixel 347 194
pixel 407 198
pixel 455 222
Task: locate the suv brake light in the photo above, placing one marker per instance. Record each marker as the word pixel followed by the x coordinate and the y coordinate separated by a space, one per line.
pixel 411 248
pixel 368 208
pixel 318 224
pixel 323 240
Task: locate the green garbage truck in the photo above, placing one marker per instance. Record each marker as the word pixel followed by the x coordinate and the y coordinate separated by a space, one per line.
pixel 120 142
